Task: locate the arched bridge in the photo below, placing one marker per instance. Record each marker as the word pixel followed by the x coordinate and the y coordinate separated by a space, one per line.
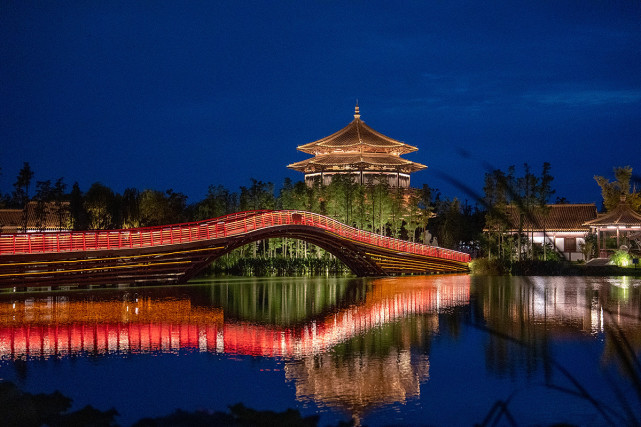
pixel 175 253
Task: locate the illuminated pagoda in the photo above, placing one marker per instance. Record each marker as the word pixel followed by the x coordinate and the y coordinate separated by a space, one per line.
pixel 359 151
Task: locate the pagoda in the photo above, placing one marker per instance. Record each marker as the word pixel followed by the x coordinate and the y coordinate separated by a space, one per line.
pixel 359 151
pixel 623 221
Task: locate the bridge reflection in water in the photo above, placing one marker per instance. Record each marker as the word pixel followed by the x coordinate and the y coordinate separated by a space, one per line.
pixel 63 325
pixel 76 324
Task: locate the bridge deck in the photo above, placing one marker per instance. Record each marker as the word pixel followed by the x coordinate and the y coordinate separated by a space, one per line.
pixel 175 253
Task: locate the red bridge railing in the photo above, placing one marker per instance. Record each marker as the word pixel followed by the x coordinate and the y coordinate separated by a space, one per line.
pixel 225 226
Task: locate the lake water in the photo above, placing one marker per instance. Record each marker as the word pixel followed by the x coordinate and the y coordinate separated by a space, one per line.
pixel 430 350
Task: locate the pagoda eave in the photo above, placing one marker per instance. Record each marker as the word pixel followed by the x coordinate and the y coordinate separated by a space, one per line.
pixel 357 149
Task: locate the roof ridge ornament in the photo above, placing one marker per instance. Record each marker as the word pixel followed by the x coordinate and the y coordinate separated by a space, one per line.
pixel 357 114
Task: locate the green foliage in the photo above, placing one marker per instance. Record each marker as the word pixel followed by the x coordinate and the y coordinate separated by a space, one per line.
pixel 488 267
pixel 547 253
pixel 621 258
pixel 529 194
pixel 79 215
pixel 613 191
pixel 21 186
pixel 239 264
pixel 158 208
pixel 260 195
pixel 129 208
pixel 99 203
pixel 589 246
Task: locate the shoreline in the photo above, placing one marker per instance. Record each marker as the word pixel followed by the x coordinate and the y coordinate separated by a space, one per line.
pixel 549 268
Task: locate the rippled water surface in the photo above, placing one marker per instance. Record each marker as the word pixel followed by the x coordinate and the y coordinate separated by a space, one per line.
pixel 433 350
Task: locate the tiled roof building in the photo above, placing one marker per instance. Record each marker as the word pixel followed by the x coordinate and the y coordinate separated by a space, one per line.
pixel 562 217
pixel 50 218
pixel 562 226
pixel 359 151
pixel 622 223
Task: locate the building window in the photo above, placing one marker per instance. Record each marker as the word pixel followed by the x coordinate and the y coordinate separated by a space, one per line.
pixel 569 245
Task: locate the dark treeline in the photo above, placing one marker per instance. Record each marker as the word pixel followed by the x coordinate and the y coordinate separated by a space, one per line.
pixel 421 215
pixel 415 214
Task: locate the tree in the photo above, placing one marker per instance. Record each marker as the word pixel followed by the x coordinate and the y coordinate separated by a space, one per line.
pixel 339 197
pixel 398 208
pixel 161 208
pixel 495 200
pixel 60 208
pixel 23 181
pixel 218 202
pixel 528 194
pixel 21 193
pixel 44 194
pixel 260 195
pixel 412 213
pixel 527 186
pixel 613 192
pixel 130 208
pixel 451 224
pixel 177 204
pixel 78 212
pixel 99 203
pixel 426 209
pixel 379 200
pixel 544 192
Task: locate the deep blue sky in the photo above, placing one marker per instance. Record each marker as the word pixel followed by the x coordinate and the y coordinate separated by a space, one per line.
pixel 165 94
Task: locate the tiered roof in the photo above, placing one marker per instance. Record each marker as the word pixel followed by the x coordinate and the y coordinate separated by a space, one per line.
pixel 622 215
pixel 357 146
pixel 357 136
pixel 356 160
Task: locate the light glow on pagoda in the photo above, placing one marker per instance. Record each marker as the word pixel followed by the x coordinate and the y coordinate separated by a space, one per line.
pixel 360 152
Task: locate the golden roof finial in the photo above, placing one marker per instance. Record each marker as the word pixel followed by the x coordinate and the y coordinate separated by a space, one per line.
pixel 357 114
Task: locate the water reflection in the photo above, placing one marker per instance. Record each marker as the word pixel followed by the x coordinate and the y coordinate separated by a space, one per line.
pixel 149 321
pixel 357 381
pixel 351 345
pixel 64 325
pixel 535 310
pixel 528 320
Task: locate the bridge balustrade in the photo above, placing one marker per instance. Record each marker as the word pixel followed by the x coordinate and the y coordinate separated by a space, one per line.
pixel 229 225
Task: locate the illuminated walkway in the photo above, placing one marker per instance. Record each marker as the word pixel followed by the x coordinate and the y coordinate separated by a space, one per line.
pixel 175 253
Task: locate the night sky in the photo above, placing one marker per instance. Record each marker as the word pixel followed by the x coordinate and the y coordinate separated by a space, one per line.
pixel 165 94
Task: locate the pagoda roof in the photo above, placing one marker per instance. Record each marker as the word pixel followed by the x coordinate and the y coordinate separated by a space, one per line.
pixel 558 217
pixel 622 215
pixel 358 160
pixel 357 135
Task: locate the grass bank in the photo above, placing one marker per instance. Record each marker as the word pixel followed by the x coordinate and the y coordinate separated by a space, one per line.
pixel 495 267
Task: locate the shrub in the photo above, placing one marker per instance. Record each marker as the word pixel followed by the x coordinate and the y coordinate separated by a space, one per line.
pixel 621 258
pixel 488 267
